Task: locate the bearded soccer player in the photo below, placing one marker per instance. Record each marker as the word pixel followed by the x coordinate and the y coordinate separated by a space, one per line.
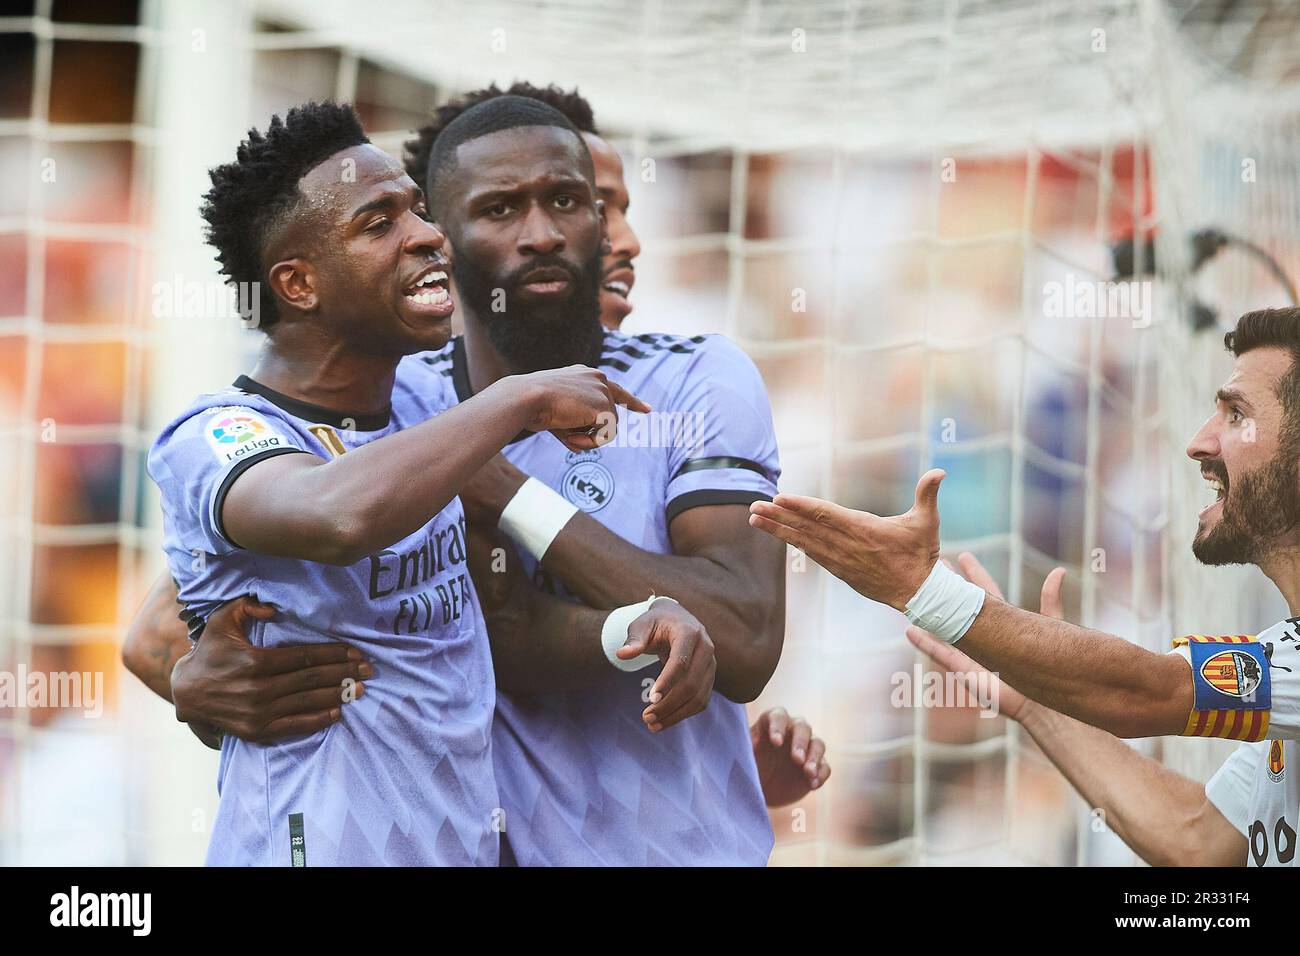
pixel 618 267
pixel 586 782
pixel 332 467
pixel 581 780
pixel 791 760
pixel 1238 687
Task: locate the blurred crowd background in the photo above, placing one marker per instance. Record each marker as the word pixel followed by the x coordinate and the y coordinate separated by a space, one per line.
pixel 892 296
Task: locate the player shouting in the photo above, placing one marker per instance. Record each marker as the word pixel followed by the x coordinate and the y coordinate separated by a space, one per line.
pixel 585 782
pixel 325 483
pixel 1238 687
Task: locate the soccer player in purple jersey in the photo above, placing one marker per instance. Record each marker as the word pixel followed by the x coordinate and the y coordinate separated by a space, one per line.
pixel 324 483
pixel 791 760
pixel 599 789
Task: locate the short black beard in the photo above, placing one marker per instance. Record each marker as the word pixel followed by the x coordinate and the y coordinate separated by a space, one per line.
pixel 1264 505
pixel 537 337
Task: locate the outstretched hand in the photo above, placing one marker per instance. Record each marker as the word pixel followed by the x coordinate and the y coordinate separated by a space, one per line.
pixel 885 559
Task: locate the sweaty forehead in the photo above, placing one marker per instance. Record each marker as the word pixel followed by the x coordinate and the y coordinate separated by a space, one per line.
pixel 347 176
pixel 514 157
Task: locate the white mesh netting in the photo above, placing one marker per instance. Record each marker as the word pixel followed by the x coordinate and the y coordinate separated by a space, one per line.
pixel 877 200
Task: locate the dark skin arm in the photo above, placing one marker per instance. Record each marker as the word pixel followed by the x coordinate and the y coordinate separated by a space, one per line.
pixel 730 576
pixel 156 638
pixel 263 694
pixel 227 685
pixel 543 644
pixel 223 684
pixel 339 511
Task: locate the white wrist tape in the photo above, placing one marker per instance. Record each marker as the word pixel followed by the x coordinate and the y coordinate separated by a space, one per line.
pixel 613 634
pixel 534 516
pixel 946 604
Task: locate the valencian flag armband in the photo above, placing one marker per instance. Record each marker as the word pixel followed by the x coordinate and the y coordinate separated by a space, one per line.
pixel 1230 678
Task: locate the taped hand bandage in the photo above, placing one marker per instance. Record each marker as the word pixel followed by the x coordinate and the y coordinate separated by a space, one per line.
pixel 614 634
pixel 535 516
pixel 946 604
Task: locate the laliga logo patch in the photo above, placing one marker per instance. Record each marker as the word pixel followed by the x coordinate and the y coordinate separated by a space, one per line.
pixel 588 484
pixel 232 437
pixel 238 429
pixel 1233 673
pixel 1276 769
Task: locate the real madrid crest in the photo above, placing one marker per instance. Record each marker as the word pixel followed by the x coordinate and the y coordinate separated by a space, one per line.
pixel 588 484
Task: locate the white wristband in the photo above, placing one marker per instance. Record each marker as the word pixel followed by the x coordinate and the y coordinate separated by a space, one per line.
pixel 946 604
pixel 534 516
pixel 613 634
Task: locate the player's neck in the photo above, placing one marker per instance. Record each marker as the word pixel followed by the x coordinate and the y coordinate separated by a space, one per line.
pixel 1282 567
pixel 484 363
pixel 329 374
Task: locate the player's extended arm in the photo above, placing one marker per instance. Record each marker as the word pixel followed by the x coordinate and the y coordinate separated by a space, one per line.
pixel 339 511
pixel 1103 680
pixel 1098 678
pixel 1164 817
pixel 730 577
pixel 544 644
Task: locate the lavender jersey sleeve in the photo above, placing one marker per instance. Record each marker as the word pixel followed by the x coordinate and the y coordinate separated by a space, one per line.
pixel 196 461
pixel 724 448
pixel 404 776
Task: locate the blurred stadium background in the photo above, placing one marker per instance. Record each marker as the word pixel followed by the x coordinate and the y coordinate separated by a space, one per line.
pixel 872 198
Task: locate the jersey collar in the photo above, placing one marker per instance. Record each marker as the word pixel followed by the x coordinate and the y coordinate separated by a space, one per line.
pixel 460 370
pixel 317 414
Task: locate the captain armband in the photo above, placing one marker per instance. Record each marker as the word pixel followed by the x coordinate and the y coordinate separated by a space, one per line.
pixel 1230 680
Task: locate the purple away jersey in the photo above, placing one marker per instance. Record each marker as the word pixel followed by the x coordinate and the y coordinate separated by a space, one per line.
pixel 405 777
pixel 582 780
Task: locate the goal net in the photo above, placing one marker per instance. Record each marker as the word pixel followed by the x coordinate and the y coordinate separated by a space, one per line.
pixel 910 215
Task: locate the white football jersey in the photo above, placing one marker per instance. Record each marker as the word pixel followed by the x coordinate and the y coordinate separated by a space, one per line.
pixel 1257 788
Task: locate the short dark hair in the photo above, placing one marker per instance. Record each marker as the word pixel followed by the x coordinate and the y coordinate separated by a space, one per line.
pixel 251 197
pixel 1276 328
pixel 415 152
pixel 491 116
